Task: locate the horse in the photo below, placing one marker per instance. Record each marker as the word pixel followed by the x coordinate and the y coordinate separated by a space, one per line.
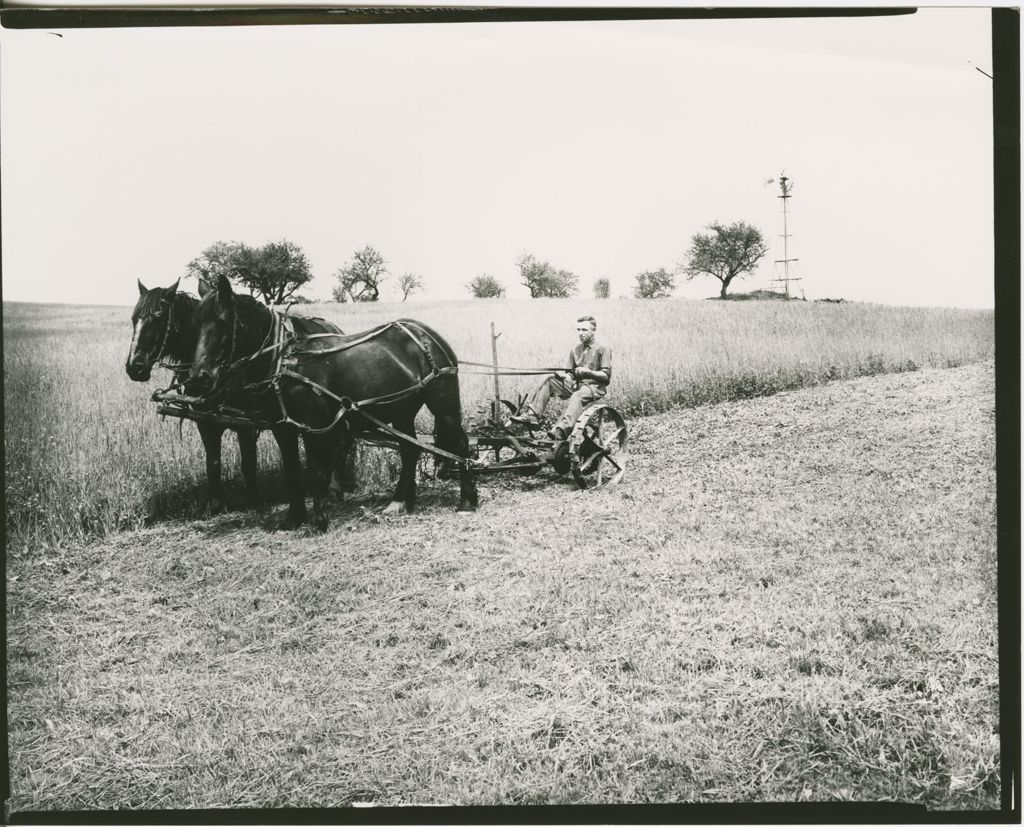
pixel 391 372
pixel 164 332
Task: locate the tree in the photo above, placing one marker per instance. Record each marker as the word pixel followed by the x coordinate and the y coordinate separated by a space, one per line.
pixel 654 284
pixel 725 252
pixel 273 272
pixel 216 260
pixel 602 288
pixel 409 283
pixel 486 287
pixel 360 279
pixel 544 281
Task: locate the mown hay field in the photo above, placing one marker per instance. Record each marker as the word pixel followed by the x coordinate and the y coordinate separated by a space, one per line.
pixel 86 453
pixel 789 598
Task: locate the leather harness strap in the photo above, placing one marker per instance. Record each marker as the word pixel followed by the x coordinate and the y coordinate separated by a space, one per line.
pixel 347 405
pixel 282 336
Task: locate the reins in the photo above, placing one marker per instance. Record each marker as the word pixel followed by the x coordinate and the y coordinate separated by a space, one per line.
pixel 167 329
pixel 504 371
pixel 276 324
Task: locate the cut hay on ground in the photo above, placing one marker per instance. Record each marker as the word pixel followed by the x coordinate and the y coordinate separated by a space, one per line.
pixel 789 598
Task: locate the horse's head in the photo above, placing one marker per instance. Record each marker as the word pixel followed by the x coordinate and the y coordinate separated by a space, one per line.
pixel 151 328
pixel 217 329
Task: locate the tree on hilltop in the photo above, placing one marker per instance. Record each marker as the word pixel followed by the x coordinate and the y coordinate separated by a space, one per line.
pixel 654 284
pixel 602 288
pixel 727 252
pixel 545 281
pixel 409 283
pixel 485 287
pixel 273 272
pixel 360 279
pixel 215 261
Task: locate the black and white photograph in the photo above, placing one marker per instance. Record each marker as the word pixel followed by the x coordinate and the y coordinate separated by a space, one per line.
pixel 563 407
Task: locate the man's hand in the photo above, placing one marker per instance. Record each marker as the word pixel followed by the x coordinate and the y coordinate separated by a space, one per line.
pixel 579 374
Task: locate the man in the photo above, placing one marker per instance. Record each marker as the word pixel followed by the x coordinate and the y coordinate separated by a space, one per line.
pixel 590 371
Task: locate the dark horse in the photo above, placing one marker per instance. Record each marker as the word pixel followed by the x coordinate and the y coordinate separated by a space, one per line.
pixel 395 364
pixel 165 333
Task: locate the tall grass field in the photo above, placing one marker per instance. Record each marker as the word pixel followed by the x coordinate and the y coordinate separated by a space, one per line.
pixel 86 453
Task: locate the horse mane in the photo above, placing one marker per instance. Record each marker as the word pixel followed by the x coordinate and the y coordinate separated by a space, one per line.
pixel 253 315
pixel 181 341
pixel 250 305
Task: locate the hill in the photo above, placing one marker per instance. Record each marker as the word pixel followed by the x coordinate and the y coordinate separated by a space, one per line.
pixel 788 598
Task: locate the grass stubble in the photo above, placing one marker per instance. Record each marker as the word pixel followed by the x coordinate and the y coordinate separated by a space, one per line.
pixel 789 598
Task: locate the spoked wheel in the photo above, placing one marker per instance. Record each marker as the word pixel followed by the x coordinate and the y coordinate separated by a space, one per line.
pixel 597 447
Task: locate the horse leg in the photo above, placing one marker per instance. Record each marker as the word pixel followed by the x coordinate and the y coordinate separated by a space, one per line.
pixel 344 463
pixel 452 438
pixel 211 434
pixel 404 499
pixel 319 462
pixel 247 438
pixel 288 442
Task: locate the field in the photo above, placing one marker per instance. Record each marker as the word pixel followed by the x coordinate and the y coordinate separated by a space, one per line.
pixel 789 598
pixel 86 454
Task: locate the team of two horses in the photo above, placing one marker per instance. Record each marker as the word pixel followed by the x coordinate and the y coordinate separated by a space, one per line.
pixel 230 348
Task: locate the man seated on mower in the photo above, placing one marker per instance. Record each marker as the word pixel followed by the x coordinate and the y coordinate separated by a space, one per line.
pixel 585 382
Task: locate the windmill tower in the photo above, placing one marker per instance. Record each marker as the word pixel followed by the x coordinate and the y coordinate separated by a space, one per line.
pixel 783 280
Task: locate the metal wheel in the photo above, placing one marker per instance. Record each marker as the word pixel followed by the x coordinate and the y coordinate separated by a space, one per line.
pixel 597 447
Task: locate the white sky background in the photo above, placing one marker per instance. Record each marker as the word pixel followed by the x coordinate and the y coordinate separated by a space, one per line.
pixel 601 147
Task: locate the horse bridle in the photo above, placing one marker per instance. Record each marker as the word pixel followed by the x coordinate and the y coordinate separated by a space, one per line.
pixel 230 365
pixel 167 333
pixel 234 337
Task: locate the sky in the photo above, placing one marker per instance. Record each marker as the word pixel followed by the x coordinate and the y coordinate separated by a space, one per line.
pixel 601 147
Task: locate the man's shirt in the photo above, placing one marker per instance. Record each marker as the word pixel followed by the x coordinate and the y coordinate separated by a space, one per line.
pixel 592 357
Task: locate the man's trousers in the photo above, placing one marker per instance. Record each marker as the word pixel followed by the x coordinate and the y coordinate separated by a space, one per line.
pixel 578 398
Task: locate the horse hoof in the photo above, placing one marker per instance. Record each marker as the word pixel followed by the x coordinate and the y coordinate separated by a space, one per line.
pixel 320 524
pixel 394 509
pixel 465 508
pixel 216 507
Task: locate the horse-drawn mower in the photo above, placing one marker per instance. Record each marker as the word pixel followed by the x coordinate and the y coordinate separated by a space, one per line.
pixel 594 453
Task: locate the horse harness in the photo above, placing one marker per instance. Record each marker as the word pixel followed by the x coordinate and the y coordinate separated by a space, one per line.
pixel 281 340
pixel 167 336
